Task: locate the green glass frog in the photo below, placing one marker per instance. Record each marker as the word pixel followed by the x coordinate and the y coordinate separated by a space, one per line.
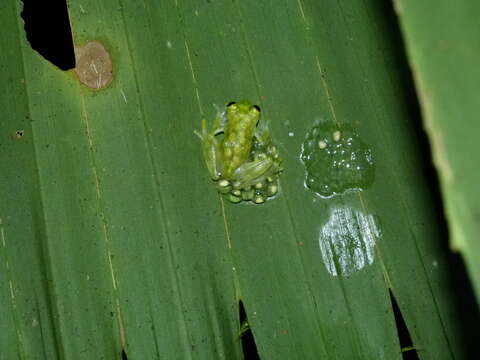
pixel 244 163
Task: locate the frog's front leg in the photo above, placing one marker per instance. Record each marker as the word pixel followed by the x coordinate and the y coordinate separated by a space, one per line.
pixel 262 134
pixel 211 148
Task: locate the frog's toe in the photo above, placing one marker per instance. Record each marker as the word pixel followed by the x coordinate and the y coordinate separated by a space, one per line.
pixel 234 199
pixel 224 186
pixel 199 134
pixel 259 199
pixel 272 188
pixel 248 195
pixel 261 185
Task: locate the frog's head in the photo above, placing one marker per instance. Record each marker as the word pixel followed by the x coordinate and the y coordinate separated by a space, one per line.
pixel 243 111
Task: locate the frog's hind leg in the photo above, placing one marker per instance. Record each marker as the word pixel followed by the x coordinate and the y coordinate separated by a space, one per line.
pixel 254 172
pixel 210 147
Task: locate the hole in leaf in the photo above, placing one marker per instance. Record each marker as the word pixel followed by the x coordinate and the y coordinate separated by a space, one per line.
pixel 408 350
pixel 246 336
pixel 124 355
pixel 47 27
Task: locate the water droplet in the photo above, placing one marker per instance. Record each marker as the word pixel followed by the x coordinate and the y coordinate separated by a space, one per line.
pixel 336 159
pixel 347 240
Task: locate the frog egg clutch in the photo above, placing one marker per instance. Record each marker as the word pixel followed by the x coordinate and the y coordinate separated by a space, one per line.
pixel 336 160
pixel 260 189
pixel 240 155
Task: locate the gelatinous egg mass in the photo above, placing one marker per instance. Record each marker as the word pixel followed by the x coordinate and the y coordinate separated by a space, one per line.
pixel 336 160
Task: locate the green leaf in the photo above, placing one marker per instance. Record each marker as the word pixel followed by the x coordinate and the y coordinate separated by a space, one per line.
pixel 115 239
pixel 444 54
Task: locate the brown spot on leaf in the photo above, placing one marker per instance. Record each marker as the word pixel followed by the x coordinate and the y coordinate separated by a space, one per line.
pixel 19 134
pixel 94 65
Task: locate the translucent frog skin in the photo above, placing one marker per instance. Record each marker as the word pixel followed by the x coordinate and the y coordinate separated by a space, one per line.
pixel 244 163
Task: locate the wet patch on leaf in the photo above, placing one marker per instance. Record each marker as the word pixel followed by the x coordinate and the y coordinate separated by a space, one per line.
pixel 347 241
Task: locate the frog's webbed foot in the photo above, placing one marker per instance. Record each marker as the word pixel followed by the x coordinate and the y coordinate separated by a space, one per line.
pixel 217 128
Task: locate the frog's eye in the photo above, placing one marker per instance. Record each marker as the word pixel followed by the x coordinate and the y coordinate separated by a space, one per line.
pixel 230 103
pixel 257 107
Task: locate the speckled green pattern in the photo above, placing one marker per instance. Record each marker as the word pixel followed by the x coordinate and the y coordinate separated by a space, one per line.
pixel 240 154
pixel 241 122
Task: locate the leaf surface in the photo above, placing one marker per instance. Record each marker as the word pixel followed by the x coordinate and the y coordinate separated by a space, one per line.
pixel 114 238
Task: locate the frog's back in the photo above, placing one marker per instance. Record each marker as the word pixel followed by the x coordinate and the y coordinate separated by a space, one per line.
pixel 238 138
